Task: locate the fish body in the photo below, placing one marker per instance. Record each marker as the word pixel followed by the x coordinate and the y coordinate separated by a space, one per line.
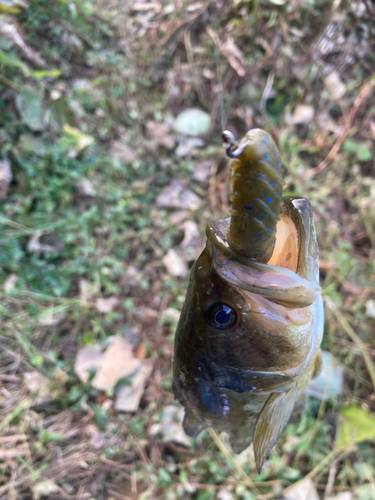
pixel 247 342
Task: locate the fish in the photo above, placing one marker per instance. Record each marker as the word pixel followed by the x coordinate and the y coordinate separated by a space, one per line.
pixel 248 339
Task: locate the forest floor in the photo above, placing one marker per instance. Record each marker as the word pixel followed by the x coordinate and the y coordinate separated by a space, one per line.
pixel 103 210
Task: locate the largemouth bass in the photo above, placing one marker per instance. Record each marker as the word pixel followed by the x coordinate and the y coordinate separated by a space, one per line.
pixel 247 342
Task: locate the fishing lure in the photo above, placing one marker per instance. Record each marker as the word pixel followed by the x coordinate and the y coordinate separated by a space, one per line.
pixel 247 342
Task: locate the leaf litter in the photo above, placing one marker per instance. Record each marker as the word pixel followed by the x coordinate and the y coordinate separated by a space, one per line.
pixel 118 361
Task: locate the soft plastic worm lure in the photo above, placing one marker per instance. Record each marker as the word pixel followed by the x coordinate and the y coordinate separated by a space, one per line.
pixel 247 343
pixel 257 186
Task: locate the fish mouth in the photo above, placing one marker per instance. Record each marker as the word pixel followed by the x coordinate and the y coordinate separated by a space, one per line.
pixel 289 277
pixel 274 283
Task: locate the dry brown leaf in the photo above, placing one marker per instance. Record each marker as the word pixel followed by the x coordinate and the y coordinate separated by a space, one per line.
pixel 202 171
pixel 224 494
pixel 187 146
pixel 87 290
pixel 170 315
pixel 234 56
pixel 141 7
pixel 302 490
pixel 303 113
pixel 10 31
pixel 191 233
pixel 36 383
pixel 118 362
pixel 86 187
pixel 106 305
pixel 44 241
pixel 160 133
pixel 334 85
pixel 18 451
pixel 207 73
pixel 174 264
pixel 178 217
pixel 170 426
pixel 147 314
pixel 51 318
pixel 6 177
pixel 122 153
pixel 129 397
pixel 133 336
pixel 177 196
pixel 344 495
pixel 140 351
pixel 10 283
pixel 44 489
pixel 88 357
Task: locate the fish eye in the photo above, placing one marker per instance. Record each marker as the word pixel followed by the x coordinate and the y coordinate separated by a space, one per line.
pixel 221 316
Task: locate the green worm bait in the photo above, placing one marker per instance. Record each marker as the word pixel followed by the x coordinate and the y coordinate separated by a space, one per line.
pixel 257 185
pixel 247 342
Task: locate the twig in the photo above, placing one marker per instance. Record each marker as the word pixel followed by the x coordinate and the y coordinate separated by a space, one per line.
pixel 10 83
pixel 212 188
pixel 366 89
pixel 119 465
pixel 223 197
pixel 11 223
pixel 266 93
pixel 190 56
pixel 331 478
pixel 315 470
pixel 14 413
pixel 322 464
pixel 315 429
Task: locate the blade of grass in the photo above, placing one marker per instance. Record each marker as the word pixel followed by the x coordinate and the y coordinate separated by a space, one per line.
pixel 355 338
pixel 236 466
pixel 15 412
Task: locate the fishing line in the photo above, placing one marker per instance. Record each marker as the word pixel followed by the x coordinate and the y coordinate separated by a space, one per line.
pixel 219 79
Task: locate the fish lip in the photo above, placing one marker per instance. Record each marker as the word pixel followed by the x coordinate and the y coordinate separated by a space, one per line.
pixel 297 292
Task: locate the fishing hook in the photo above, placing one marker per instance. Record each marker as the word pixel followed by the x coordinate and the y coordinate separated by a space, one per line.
pixel 229 143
